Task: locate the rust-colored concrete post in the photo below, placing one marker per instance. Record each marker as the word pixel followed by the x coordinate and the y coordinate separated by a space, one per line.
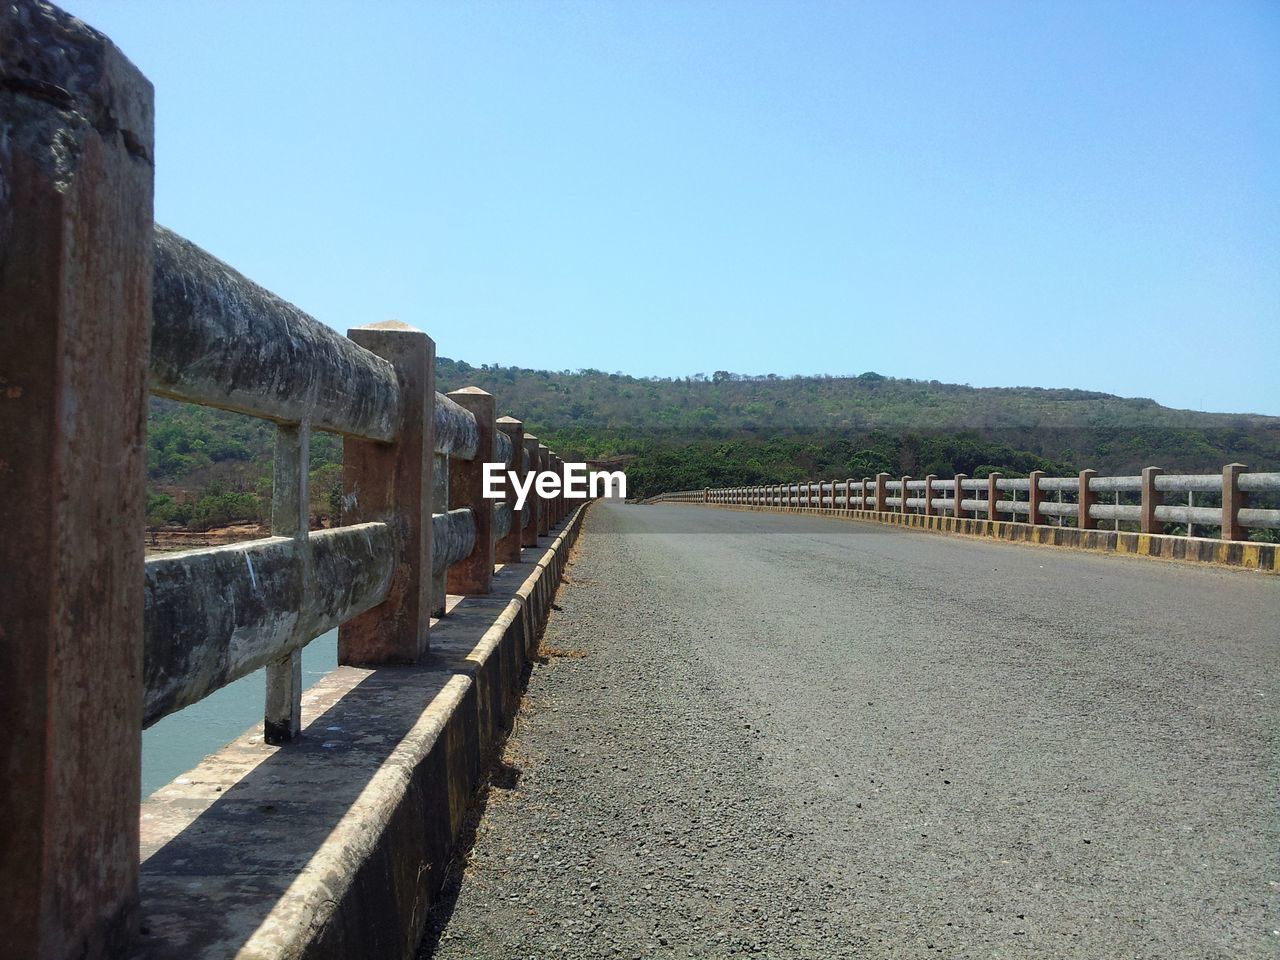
pixel 545 523
pixel 1232 500
pixel 928 494
pixel 557 465
pixel 882 493
pixel 958 511
pixel 905 481
pixel 75 325
pixel 1085 500
pixel 562 501
pixel 552 500
pixel 473 574
pixel 993 496
pixel 532 506
pixel 391 483
pixel 1035 497
pixel 507 550
pixel 1151 498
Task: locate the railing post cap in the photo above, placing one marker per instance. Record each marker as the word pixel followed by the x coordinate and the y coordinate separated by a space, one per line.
pixel 390 325
pixel 510 421
pixel 470 392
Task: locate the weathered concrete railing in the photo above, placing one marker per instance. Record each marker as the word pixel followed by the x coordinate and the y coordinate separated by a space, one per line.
pixel 100 307
pixel 1038 499
pixel 215 615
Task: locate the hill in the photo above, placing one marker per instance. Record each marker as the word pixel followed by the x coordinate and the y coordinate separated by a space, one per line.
pixel 208 467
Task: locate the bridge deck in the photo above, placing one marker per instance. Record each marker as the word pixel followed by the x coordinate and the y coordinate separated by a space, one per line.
pixel 801 737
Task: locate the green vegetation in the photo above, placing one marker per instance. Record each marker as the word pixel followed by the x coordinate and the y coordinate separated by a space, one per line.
pixel 208 467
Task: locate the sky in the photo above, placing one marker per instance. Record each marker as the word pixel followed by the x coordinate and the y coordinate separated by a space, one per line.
pixel 1059 194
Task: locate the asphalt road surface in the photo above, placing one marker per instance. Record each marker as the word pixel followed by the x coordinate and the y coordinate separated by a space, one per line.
pixel 757 734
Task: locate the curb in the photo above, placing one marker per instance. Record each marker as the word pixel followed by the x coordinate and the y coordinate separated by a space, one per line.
pixel 336 846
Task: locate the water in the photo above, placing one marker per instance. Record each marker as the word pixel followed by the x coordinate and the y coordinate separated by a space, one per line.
pixel 181 740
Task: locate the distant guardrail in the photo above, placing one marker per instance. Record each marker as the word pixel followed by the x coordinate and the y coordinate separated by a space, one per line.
pixel 1216 505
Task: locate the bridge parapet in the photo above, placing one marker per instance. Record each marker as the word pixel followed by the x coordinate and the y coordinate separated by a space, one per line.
pixel 100 307
pixel 1211 515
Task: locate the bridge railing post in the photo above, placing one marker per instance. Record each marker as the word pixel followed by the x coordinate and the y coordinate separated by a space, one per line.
pixel 1232 500
pixel 1151 498
pixel 507 549
pixel 1035 496
pixel 545 523
pixel 928 495
pixel 882 493
pixel 1085 500
pixel 392 483
pixel 532 506
pixel 958 510
pixel 905 481
pixel 76 307
pixel 993 495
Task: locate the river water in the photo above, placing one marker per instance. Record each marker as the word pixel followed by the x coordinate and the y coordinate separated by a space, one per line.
pixel 181 740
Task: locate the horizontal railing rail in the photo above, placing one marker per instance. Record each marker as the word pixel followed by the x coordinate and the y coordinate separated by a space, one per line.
pixel 1144 501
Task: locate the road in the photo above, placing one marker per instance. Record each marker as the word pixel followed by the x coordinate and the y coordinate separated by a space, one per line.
pixel 784 736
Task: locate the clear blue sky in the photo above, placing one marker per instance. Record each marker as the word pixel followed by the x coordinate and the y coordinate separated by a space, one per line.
pixel 1055 194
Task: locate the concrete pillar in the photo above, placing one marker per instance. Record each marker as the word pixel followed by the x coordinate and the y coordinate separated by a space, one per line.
pixel 993 496
pixel 1151 499
pixel 473 575
pixel 562 502
pixel 553 501
pixel 904 494
pixel 1085 500
pixel 545 523
pixel 928 494
pixel 529 534
pixel 391 483
pixel 958 511
pixel 882 493
pixel 507 550
pixel 75 323
pixel 1232 500
pixel 1035 496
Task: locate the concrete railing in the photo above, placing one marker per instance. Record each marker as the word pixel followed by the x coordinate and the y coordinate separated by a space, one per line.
pixel 1147 502
pixel 100 307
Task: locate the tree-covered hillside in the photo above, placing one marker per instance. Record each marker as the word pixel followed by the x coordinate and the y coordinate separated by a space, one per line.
pixel 208 467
